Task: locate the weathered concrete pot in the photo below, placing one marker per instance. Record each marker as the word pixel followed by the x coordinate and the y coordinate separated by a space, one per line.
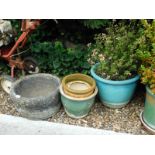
pixel 36 96
pixel 78 85
pixel 77 107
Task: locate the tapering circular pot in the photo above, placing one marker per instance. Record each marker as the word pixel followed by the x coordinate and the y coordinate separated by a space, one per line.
pixel 114 94
pixel 148 114
pixel 36 96
pixel 77 107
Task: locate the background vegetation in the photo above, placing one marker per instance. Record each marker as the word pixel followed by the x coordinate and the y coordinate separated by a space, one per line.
pixel 61 48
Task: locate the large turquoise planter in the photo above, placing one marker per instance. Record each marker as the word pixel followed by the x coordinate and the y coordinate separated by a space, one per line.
pixel 77 107
pixel 149 109
pixel 114 94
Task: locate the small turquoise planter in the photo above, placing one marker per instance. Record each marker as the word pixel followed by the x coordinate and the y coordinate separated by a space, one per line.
pixel 149 109
pixel 77 107
pixel 114 94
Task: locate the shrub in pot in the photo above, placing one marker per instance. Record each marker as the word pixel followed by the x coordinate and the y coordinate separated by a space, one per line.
pixel 146 53
pixel 116 73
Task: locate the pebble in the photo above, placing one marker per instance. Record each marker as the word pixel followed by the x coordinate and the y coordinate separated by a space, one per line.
pixel 119 120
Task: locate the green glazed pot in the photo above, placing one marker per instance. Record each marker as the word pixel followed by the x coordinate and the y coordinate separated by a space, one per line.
pixel 149 109
pixel 77 107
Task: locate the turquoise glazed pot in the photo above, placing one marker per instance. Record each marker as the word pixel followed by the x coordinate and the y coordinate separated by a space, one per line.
pixel 77 107
pixel 149 109
pixel 114 94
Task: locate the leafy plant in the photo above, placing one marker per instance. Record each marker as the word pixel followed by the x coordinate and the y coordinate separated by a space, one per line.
pixel 96 23
pixel 118 48
pixel 146 53
pixel 54 58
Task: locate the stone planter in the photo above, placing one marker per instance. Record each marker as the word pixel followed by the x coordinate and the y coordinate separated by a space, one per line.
pixel 78 85
pixel 36 96
pixel 114 94
pixel 77 107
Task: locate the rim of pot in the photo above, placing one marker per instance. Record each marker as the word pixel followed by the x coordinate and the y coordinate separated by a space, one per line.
pixel 78 95
pixel 14 85
pixel 92 84
pixel 114 82
pixel 78 99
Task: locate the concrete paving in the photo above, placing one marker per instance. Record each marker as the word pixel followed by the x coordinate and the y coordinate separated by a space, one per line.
pixel 12 125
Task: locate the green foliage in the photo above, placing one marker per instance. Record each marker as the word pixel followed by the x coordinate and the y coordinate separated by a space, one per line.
pixel 146 53
pixel 41 33
pixel 118 48
pixel 71 30
pixel 54 58
pixel 96 23
pixel 16 24
pixel 61 60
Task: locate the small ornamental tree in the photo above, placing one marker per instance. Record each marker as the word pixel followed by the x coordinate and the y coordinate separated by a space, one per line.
pixel 118 46
pixel 146 53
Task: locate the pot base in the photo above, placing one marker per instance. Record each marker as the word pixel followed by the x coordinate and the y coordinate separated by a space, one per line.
pixel 73 116
pixel 39 114
pixel 114 105
pixel 147 127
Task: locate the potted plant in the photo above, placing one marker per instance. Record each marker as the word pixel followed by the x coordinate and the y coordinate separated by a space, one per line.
pixel 116 73
pixel 146 53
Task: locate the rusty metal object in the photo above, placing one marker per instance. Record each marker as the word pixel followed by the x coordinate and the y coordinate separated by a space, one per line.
pixel 6 53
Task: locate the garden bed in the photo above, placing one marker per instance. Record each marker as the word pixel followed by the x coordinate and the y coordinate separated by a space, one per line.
pixel 119 120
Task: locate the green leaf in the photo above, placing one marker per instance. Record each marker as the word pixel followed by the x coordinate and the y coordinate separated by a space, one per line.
pixel 56 64
pixel 86 65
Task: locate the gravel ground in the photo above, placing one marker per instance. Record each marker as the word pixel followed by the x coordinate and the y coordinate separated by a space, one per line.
pixel 119 120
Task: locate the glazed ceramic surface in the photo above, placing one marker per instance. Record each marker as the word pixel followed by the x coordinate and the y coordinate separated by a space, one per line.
pixel 77 107
pixel 77 85
pixel 114 94
pixel 149 109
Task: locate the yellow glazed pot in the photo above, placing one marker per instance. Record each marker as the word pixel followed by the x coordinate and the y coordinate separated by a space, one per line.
pixel 78 85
